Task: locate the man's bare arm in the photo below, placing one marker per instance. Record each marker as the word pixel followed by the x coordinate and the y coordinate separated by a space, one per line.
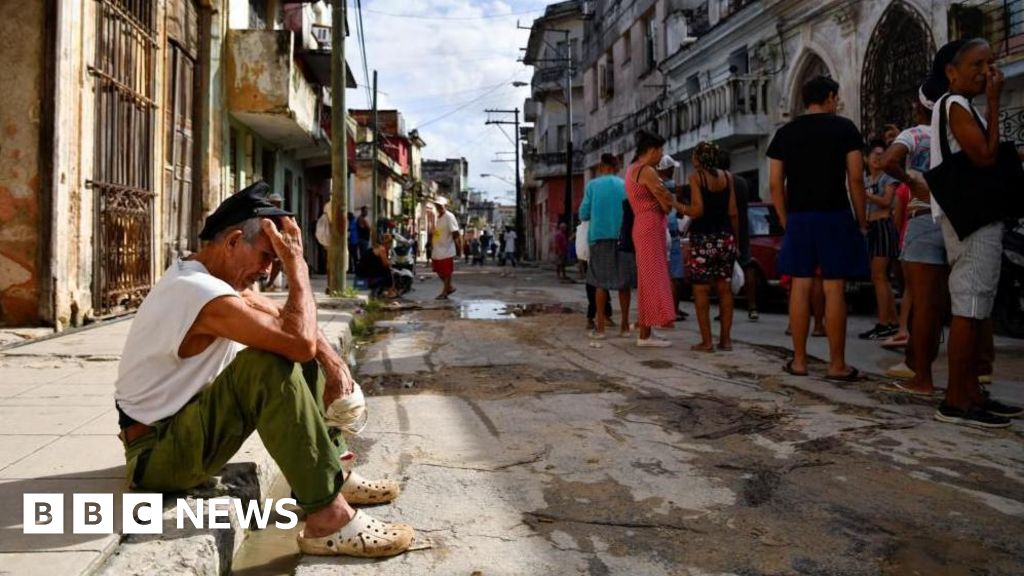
pixel 855 181
pixel 777 183
pixel 292 333
pixel 339 379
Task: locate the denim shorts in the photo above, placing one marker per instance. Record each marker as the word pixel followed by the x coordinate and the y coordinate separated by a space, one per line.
pixel 829 241
pixel 975 265
pixel 923 243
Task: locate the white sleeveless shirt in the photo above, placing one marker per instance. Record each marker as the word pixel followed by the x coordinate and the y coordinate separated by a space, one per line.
pixel 152 381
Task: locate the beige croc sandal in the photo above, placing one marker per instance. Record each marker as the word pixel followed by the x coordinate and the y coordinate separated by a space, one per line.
pixel 364 536
pixel 359 490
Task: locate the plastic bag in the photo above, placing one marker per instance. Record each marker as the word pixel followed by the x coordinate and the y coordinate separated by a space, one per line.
pixel 582 246
pixel 323 231
pixel 738 277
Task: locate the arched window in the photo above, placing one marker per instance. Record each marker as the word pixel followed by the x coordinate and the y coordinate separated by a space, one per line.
pixel 813 66
pixel 897 60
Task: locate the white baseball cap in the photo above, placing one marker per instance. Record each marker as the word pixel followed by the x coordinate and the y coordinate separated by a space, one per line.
pixel 441 201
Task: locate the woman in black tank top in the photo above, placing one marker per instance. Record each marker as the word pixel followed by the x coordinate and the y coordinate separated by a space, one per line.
pixel 713 236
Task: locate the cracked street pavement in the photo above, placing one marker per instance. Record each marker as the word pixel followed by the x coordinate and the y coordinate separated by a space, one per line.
pixel 524 448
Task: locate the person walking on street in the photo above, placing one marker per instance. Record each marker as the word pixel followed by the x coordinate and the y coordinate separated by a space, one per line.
pixel 609 268
pixel 561 245
pixel 883 240
pixel 713 236
pixel 445 246
pixel 651 203
pixel 976 259
pixel 510 249
pixel 813 159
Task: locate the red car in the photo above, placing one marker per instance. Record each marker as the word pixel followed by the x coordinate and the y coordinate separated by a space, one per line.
pixel 765 242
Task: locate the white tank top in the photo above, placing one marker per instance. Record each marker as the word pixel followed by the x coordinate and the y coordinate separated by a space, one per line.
pixel 152 381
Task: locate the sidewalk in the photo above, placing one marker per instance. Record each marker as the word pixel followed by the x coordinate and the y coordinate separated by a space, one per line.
pixel 58 435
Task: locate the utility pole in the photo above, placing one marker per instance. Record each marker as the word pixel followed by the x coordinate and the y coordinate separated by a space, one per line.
pixel 337 252
pixel 373 163
pixel 519 187
pixel 567 214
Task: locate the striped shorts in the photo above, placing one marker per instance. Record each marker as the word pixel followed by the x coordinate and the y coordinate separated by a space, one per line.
pixel 883 239
pixel 975 264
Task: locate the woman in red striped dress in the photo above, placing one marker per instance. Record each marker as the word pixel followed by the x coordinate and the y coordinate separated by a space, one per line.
pixel 651 203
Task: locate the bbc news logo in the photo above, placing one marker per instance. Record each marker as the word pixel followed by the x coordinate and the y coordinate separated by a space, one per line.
pixel 143 513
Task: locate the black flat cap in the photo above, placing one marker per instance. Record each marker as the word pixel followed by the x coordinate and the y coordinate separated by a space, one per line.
pixel 250 202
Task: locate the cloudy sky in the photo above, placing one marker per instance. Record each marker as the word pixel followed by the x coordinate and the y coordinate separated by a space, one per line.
pixel 441 63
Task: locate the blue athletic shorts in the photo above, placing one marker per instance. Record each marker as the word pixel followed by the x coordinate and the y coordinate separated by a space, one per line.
pixel 829 241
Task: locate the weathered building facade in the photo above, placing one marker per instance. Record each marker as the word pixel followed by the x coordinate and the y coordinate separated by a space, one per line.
pixel 731 70
pixel 132 121
pixel 623 87
pixel 451 176
pixel 553 51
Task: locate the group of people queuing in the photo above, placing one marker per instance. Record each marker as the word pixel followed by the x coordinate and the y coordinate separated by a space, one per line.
pixel 843 219
pixel 634 228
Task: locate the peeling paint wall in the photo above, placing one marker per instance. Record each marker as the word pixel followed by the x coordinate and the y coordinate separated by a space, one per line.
pixel 21 58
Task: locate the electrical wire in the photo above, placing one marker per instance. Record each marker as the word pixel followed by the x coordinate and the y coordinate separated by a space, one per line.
pixel 362 50
pixel 454 18
pixel 463 105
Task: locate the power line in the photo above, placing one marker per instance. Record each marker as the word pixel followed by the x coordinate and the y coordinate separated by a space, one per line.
pixel 362 47
pixel 465 104
pixel 454 18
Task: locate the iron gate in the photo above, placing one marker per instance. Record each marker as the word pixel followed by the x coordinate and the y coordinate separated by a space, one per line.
pixel 124 139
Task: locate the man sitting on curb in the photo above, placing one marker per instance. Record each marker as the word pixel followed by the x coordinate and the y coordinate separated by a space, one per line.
pixel 207 362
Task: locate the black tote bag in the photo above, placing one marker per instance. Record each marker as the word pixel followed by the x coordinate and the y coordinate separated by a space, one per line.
pixel 972 196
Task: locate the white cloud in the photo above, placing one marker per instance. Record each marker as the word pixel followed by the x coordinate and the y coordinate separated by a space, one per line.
pixel 445 57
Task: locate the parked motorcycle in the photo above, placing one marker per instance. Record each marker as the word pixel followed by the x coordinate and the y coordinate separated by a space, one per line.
pixel 402 266
pixel 1009 309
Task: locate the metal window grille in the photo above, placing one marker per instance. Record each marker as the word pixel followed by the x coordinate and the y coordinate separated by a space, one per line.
pixel 1001 22
pixel 124 140
pixel 898 57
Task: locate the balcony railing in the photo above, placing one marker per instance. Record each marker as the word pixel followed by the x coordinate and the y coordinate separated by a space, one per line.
pixel 735 107
pixel 739 95
pixel 1001 22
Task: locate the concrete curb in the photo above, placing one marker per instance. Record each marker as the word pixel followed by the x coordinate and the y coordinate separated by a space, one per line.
pixel 249 475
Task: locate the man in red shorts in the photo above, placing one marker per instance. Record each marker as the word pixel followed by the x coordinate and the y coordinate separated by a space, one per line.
pixel 445 246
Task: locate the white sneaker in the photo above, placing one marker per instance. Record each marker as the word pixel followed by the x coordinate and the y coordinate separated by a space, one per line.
pixel 595 335
pixel 652 342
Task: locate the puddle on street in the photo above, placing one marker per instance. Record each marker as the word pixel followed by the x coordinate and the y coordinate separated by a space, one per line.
pixel 498 310
pixel 485 310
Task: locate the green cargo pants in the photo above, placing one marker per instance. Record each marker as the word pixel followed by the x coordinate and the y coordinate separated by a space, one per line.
pixel 259 391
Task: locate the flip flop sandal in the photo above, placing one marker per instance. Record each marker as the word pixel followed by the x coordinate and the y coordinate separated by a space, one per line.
pixel 788 369
pixel 900 388
pixel 360 491
pixel 725 348
pixel 852 376
pixel 364 537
